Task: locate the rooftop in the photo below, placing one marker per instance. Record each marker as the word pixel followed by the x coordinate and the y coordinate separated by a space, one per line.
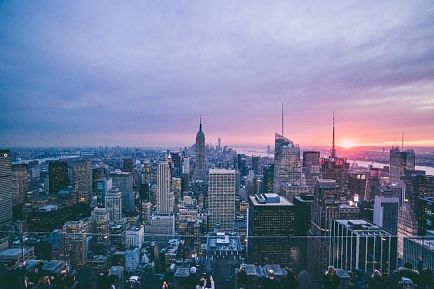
pixel 363 227
pixel 269 200
pixel 223 242
pixel 13 253
pixel 327 183
pixel 221 171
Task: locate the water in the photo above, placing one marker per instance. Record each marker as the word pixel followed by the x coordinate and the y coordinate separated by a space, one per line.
pixel 262 151
pixel 428 170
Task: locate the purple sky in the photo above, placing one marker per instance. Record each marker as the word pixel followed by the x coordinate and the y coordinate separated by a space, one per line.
pixel 139 73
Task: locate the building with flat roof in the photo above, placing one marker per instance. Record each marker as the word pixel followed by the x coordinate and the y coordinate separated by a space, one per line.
pixel 221 198
pixel 419 248
pixel 270 223
pixel 134 237
pixel 16 256
pixel 361 245
pixel 222 253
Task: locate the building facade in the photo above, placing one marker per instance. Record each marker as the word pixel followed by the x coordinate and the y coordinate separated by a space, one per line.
pixel 361 245
pixel 270 224
pixel 5 187
pixel 221 198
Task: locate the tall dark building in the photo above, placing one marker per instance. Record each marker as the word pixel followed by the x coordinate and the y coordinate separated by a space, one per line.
pixel 128 165
pixel 242 164
pixel 372 183
pixel 311 167
pixel 303 207
pixel 325 208
pixel 426 215
pixel 255 164
pixel 335 168
pixel 400 161
pixel 267 179
pixel 418 186
pixel 82 180
pixel 176 164
pixel 5 187
pixel 57 176
pixel 270 226
pixel 200 164
pixel 357 185
pixel 97 173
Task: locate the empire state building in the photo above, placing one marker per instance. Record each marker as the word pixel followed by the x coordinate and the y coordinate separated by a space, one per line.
pixel 200 167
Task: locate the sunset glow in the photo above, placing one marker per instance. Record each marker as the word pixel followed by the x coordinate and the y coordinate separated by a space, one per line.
pixel 347 143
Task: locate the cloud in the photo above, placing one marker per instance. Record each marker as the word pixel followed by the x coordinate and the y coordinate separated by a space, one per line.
pixel 116 70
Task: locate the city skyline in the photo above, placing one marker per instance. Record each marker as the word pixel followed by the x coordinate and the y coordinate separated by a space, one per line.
pixel 143 77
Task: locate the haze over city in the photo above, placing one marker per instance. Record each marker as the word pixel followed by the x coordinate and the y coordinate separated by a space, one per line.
pixel 139 73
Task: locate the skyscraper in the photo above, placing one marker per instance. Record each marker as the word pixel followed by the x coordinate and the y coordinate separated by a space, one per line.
pixel 113 205
pixel 57 176
pixel 200 164
pixel 163 188
pixel 82 180
pixel 325 208
pixel 128 165
pixel 97 173
pixel 287 163
pixel 74 243
pixel 20 184
pixel 267 179
pixel 400 161
pixel 335 168
pixel 221 198
pixel 311 167
pixel 386 213
pixel 100 225
pixel 5 187
pixel 270 224
pixel 361 245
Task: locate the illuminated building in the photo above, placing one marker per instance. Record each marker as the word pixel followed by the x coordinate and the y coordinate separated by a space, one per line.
pixel 20 184
pixel 221 198
pixel 287 163
pixel 74 243
pixel 82 181
pixel 270 223
pixel 267 179
pixel 113 205
pixel 5 187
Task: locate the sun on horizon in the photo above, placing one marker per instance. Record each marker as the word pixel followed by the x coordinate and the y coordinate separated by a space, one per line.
pixel 347 143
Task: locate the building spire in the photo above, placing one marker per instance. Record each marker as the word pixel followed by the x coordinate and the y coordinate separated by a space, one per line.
pixel 282 118
pixel 333 142
pixel 200 123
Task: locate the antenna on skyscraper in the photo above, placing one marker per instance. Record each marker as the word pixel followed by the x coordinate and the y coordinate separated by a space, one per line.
pixel 333 142
pixel 402 140
pixel 200 122
pixel 282 118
